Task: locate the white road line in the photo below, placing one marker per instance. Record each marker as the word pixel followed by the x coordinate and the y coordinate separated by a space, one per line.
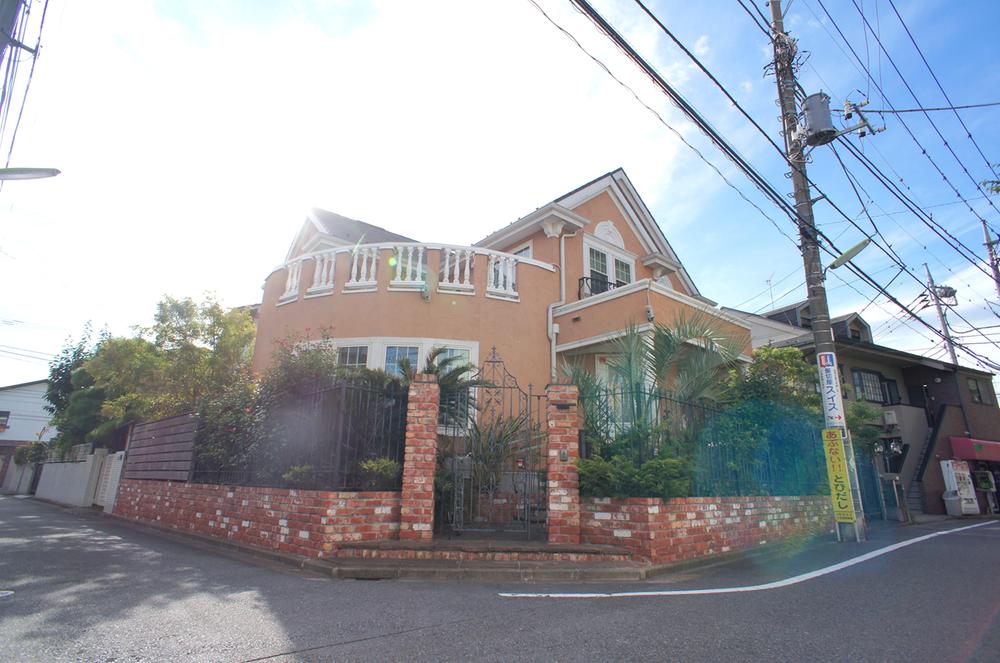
pixel 794 580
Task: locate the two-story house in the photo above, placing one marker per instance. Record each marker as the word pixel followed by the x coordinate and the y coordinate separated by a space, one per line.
pixel 23 420
pixel 929 407
pixel 558 283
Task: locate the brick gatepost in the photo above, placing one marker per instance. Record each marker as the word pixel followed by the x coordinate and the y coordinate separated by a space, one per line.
pixel 419 459
pixel 563 476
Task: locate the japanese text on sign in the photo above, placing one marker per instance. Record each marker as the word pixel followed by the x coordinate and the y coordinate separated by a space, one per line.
pixel 836 468
pixel 829 387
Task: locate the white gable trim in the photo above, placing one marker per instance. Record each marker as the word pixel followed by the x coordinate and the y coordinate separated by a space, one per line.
pixel 636 214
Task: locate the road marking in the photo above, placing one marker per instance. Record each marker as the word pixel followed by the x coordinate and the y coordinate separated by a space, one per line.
pixel 794 580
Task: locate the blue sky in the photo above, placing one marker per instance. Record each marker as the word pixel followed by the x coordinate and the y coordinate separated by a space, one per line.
pixel 193 136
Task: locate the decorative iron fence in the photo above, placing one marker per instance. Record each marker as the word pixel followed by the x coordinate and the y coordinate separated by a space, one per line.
pixel 731 451
pixel 491 473
pixel 350 436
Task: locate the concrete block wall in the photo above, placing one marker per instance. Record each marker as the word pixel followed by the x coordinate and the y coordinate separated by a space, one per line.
pixel 694 527
pixel 312 523
pixel 71 483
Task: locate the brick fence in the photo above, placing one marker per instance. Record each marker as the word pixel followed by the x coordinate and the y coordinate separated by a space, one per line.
pixel 691 527
pixel 303 522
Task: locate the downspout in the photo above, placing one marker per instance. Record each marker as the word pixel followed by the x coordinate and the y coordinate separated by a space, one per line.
pixel 553 373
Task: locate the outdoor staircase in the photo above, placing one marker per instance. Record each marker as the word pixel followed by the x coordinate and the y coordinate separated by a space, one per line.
pixel 915 497
pixel 915 491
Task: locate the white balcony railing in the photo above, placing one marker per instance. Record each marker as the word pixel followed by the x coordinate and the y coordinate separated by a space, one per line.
pixel 408 270
pixel 456 269
pixel 323 271
pixel 411 267
pixel 292 279
pixel 364 266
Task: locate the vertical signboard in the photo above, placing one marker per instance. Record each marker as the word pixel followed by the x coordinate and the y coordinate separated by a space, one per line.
pixel 829 389
pixel 837 471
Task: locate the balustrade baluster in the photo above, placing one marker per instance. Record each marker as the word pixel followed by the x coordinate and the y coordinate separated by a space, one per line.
pixel 468 266
pixel 399 262
pixel 420 264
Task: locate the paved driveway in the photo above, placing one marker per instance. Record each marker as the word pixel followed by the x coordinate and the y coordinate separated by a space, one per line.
pixel 90 589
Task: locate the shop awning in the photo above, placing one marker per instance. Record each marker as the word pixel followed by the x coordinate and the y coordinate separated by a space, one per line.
pixel 968 448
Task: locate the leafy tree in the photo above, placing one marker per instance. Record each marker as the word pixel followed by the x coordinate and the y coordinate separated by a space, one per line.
pixel 190 353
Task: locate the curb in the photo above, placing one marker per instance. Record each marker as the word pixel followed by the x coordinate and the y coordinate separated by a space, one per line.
pixel 354 569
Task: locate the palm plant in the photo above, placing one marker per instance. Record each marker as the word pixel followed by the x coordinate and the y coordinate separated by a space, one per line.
pixel 687 358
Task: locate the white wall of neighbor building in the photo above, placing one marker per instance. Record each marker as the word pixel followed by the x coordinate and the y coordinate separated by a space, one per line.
pixel 18 478
pixel 26 403
pixel 71 483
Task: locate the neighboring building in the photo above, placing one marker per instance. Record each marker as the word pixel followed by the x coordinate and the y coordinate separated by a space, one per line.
pixel 926 404
pixel 554 285
pixel 23 420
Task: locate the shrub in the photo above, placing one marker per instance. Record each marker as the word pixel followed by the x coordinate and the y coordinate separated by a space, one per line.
pixel 595 477
pixel 619 477
pixel 666 478
pixel 300 476
pixel 380 473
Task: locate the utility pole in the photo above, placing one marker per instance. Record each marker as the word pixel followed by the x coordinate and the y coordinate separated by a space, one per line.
pixel 935 293
pixel 992 253
pixel 942 318
pixel 826 357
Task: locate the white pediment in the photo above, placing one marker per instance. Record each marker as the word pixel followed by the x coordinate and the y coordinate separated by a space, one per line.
pixel 606 230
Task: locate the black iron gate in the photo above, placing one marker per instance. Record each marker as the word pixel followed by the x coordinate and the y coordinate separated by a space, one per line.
pixel 492 469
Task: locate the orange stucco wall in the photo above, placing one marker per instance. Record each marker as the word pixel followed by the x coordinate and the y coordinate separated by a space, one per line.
pixel 516 328
pixel 616 313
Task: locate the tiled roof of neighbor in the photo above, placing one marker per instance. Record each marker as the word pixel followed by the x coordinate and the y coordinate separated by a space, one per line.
pixel 353 231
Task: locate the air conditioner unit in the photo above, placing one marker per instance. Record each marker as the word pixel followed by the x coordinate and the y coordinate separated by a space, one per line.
pixel 889 418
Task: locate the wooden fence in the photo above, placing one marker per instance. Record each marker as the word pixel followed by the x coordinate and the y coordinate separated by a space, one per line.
pixel 162 450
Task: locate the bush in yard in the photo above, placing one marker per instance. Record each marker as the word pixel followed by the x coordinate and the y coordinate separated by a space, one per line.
pixel 665 477
pixel 380 473
pixel 595 477
pixel 300 476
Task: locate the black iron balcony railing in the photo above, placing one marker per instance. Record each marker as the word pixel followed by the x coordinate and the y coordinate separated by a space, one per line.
pixel 594 286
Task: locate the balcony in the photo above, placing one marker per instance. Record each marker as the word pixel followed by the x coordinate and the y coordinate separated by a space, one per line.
pixel 589 286
pixel 409 267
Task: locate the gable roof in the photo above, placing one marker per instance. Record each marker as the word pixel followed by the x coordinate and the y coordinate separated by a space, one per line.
pixel 339 230
pixel 23 384
pixel 632 208
pixel 352 231
pixel 807 342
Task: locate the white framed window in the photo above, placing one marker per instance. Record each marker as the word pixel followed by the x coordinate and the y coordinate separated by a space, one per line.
pixel 352 356
pixel 384 352
pixel 525 250
pixel 396 355
pixel 606 266
pixel 623 272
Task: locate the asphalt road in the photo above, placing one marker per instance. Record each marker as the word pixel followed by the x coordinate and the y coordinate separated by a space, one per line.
pixel 92 589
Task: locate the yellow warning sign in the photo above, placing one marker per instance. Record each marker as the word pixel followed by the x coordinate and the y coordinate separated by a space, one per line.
pixel 836 468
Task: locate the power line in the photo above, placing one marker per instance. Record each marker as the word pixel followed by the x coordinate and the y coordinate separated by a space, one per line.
pixel 676 133
pixel 31 74
pixel 901 121
pixel 727 149
pixel 931 110
pixel 887 249
pixel 952 107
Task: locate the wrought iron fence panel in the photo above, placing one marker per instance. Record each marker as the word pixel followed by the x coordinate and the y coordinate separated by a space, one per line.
pixel 730 454
pixel 491 473
pixel 320 440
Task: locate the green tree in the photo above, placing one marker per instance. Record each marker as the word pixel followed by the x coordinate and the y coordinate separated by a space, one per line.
pixel 192 352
